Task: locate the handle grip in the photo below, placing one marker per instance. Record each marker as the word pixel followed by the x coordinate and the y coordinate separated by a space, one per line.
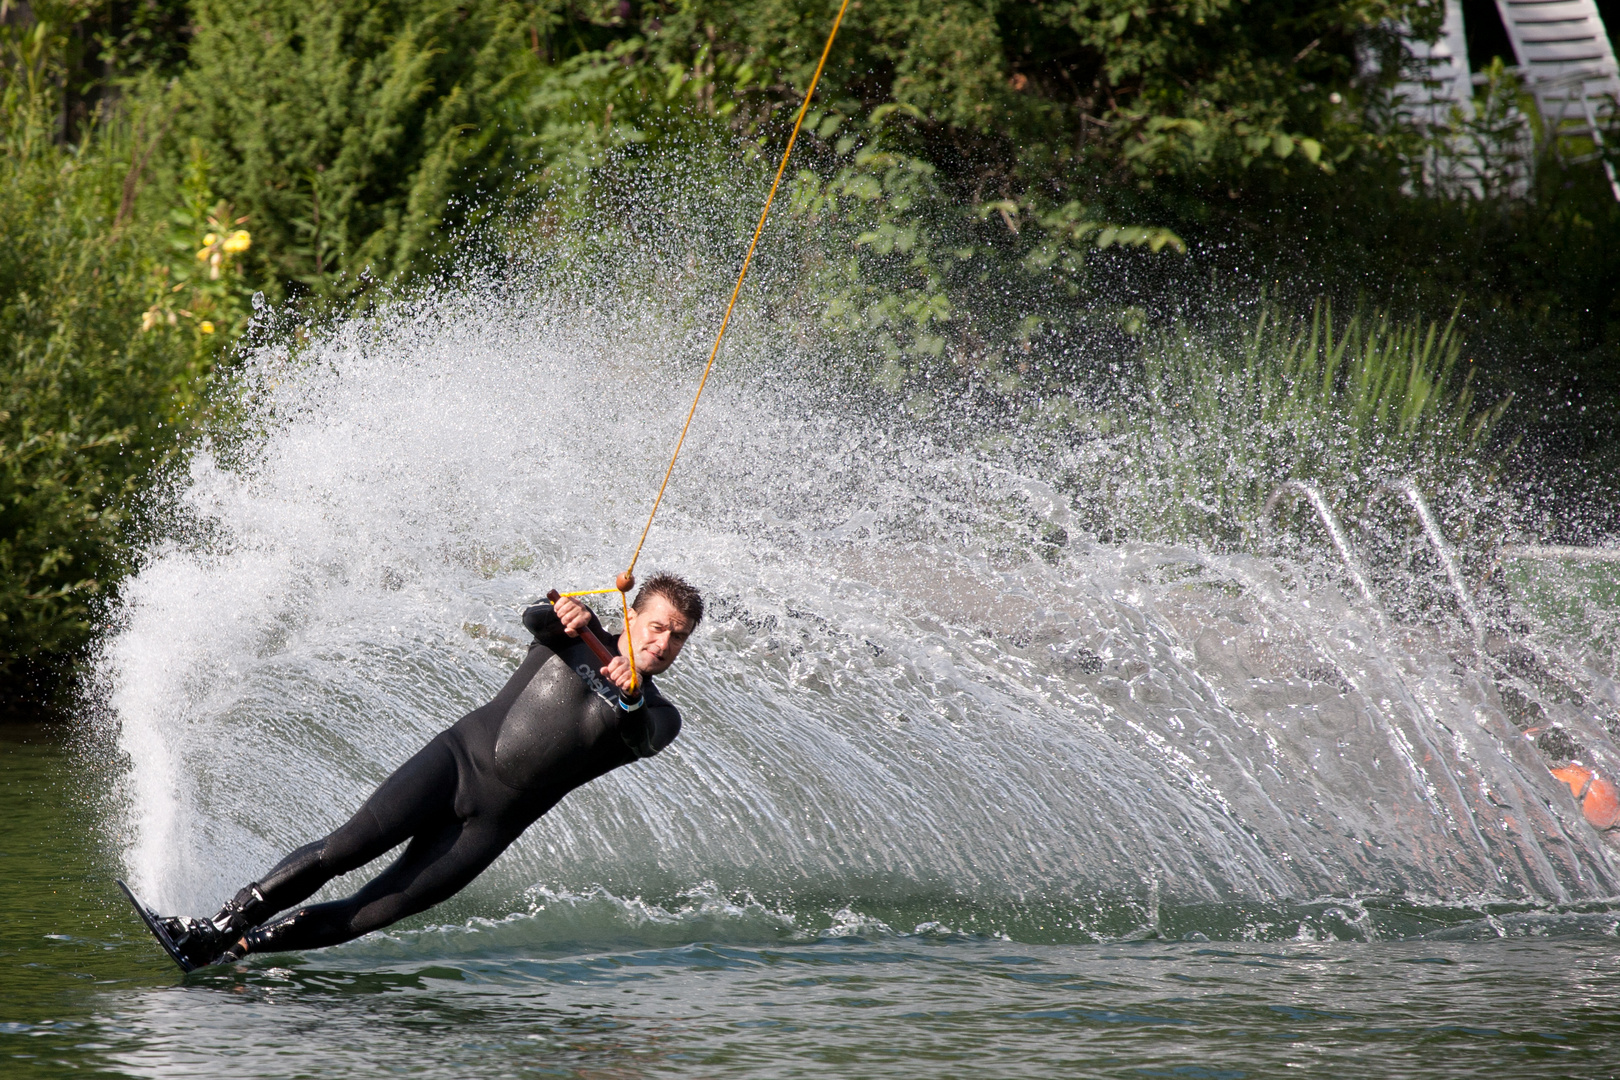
pixel 588 636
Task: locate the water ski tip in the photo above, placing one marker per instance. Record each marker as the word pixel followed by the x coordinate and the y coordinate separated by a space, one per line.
pixel 155 925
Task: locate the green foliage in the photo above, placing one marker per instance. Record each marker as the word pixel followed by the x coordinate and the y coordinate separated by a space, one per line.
pixel 90 405
pixel 966 163
pixel 989 197
pixel 585 111
pixel 932 282
pixel 361 137
pixel 353 134
pixel 956 145
pixel 1220 422
pixel 1209 86
pixel 201 282
pixel 130 37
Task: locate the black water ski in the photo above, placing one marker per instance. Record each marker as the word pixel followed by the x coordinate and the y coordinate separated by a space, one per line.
pixel 154 924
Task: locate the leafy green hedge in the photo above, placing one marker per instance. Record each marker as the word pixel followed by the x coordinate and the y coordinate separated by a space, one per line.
pixel 364 139
pixel 90 405
pixel 119 293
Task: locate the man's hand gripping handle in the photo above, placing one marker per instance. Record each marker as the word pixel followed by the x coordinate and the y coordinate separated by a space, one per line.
pixel 582 629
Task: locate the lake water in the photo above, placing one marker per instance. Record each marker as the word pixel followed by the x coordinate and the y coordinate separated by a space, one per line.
pixel 83 990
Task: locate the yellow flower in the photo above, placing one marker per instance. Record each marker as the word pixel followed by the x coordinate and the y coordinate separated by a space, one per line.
pixel 204 253
pixel 206 327
pixel 211 239
pixel 238 241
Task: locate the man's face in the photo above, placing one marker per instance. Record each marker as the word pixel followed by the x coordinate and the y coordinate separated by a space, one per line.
pixel 657 631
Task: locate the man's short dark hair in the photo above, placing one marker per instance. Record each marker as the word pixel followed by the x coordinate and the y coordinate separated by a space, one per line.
pixel 677 590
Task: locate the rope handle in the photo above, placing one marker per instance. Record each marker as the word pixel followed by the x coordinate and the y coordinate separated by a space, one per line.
pixel 592 642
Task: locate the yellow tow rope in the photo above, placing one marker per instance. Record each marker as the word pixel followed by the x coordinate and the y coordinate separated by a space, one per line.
pixel 627 580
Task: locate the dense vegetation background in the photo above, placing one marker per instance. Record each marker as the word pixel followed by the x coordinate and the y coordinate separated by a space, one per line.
pixel 1120 172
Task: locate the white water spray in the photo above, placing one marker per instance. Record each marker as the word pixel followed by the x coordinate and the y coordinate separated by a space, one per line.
pixel 884 703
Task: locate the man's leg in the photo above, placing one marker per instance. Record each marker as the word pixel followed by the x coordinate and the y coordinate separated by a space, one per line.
pixel 418 796
pixel 436 866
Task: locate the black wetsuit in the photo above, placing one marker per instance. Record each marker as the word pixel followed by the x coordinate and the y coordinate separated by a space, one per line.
pixel 470 792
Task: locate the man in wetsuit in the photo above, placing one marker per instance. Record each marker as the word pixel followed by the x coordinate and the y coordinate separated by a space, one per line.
pixel 563 719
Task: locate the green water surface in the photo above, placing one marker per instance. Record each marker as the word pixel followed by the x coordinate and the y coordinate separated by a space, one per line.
pixel 84 992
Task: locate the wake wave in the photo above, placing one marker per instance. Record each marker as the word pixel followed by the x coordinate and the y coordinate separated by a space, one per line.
pixel 558 924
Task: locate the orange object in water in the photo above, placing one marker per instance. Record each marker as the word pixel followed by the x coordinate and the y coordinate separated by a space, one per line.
pixel 1599 799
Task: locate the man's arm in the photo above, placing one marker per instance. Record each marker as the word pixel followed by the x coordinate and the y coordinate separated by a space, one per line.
pixel 652 727
pixel 656 721
pixel 552 625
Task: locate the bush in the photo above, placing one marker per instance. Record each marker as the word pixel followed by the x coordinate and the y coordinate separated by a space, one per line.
pixel 359 137
pixel 91 404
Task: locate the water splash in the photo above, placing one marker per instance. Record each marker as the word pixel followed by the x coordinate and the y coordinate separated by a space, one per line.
pixel 920 687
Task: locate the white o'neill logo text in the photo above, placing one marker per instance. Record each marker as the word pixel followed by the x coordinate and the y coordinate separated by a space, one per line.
pixel 596 683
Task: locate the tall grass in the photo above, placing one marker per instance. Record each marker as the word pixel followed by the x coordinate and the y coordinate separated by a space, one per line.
pixel 1220 420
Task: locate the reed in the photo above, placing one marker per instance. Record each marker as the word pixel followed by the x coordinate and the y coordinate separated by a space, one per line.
pixel 1218 420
